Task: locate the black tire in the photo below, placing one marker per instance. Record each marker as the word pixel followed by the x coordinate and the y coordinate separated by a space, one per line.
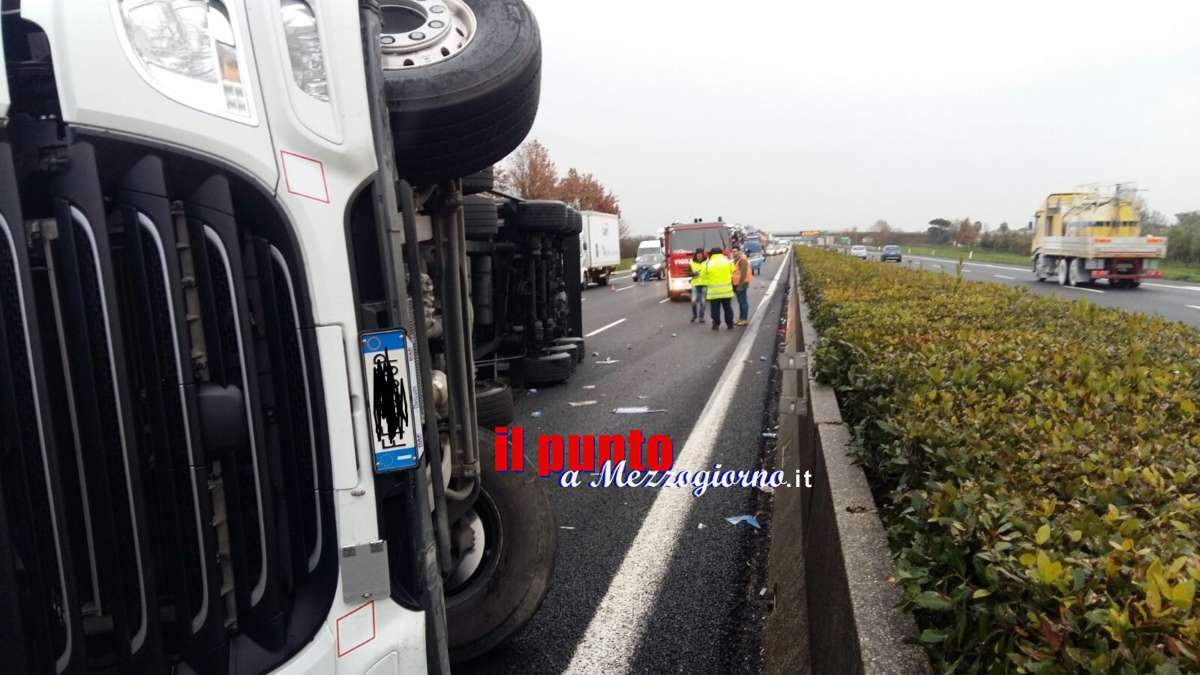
pixel 493 404
pixel 479 182
pixel 541 216
pixel 574 222
pixel 467 112
pixel 574 341
pixel 514 576
pixel 602 280
pixel 547 369
pixel 481 218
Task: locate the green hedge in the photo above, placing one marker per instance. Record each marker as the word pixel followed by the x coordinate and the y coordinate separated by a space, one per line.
pixel 1035 461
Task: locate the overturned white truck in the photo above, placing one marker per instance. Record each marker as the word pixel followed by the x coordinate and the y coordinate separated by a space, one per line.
pixel 249 332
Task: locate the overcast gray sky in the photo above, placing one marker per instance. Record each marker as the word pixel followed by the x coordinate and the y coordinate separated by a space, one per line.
pixel 834 114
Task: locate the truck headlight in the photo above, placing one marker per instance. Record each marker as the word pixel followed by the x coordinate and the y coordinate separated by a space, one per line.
pixel 172 35
pixel 188 50
pixel 304 47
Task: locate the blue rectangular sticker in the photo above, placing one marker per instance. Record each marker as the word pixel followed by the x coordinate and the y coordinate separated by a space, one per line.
pixel 393 400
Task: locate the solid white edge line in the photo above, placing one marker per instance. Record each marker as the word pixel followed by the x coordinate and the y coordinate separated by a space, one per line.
pixel 625 288
pixel 664 300
pixel 1081 288
pixel 617 627
pixel 1172 287
pixel 600 330
pixel 1193 306
pixel 1002 276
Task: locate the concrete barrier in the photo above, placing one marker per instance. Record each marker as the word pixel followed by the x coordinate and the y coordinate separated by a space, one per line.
pixel 835 610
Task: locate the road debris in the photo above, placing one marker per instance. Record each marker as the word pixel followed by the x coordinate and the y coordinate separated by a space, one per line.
pixel 589 386
pixel 674 334
pixel 596 354
pixel 762 358
pixel 749 520
pixel 536 414
pixel 580 404
pixel 607 362
pixel 565 527
pixel 700 526
pixel 770 434
pixel 531 392
pixel 762 591
pixel 643 398
pixel 637 410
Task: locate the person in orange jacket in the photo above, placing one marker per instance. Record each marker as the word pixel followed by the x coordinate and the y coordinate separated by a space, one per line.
pixel 742 274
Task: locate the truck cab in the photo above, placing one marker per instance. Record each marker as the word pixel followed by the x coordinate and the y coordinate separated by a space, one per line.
pixel 681 241
pixel 249 311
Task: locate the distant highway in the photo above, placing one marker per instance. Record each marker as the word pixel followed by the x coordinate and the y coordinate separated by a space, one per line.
pixel 1175 300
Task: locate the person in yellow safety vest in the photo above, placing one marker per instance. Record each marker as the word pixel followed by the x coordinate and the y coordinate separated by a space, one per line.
pixel 697 267
pixel 718 286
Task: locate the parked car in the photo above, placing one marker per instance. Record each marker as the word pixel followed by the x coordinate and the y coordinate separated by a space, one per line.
pixel 859 252
pixel 890 252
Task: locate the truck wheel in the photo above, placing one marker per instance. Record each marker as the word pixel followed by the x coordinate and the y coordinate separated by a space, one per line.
pixel 494 404
pixel 481 218
pixel 462 85
pixel 479 182
pixel 548 368
pixel 514 527
pixel 574 350
pixel 602 280
pixel 1064 274
pixel 578 342
pixel 1037 269
pixel 574 222
pixel 539 216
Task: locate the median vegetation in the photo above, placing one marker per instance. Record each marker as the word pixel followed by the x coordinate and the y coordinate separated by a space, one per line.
pixel 1035 462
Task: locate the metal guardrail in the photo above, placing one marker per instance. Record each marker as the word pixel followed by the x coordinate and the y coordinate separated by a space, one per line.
pixel 835 610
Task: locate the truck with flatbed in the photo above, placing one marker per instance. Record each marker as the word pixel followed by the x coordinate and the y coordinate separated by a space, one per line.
pixel 1080 238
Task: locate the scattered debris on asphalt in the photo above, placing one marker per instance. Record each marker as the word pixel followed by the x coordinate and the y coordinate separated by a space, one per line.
pixel 565 527
pixel 535 414
pixel 762 358
pixel 531 392
pixel 589 386
pixel 643 398
pixel 608 362
pixel 770 434
pixel 580 404
pixel 596 354
pixel 674 334
pixel 749 520
pixel 762 592
pixel 637 410
pixel 700 526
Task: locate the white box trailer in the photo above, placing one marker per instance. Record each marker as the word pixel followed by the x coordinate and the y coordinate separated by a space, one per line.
pixel 600 242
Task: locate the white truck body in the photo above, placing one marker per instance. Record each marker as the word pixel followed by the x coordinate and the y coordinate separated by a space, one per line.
pixel 601 245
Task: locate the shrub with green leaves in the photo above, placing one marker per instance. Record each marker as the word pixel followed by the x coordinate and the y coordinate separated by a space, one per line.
pixel 1036 461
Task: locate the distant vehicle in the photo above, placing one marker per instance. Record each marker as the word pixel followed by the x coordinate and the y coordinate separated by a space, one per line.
pixel 890 252
pixel 649 247
pixel 859 251
pixel 680 241
pixel 652 264
pixel 754 251
pixel 1081 237
pixel 600 244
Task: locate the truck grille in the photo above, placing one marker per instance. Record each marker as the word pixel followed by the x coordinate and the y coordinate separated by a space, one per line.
pixel 165 501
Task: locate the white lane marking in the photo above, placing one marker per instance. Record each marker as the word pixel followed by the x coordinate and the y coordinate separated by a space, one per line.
pixel 623 276
pixel 617 627
pixel 623 288
pixel 1193 306
pixel 1004 276
pixel 975 264
pixel 664 300
pixel 1175 288
pixel 600 330
pixel 1081 288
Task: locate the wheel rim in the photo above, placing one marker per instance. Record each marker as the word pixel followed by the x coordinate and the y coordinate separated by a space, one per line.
pixel 1062 273
pixel 418 33
pixel 476 569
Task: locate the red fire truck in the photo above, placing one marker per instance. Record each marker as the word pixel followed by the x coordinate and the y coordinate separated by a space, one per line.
pixel 680 241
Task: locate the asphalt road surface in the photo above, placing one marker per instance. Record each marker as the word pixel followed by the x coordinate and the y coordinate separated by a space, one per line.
pixel 656 580
pixel 1174 300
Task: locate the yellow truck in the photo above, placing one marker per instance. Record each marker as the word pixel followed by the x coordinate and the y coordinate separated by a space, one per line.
pixel 1083 237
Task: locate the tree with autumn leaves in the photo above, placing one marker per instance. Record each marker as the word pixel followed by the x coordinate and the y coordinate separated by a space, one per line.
pixel 530 173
